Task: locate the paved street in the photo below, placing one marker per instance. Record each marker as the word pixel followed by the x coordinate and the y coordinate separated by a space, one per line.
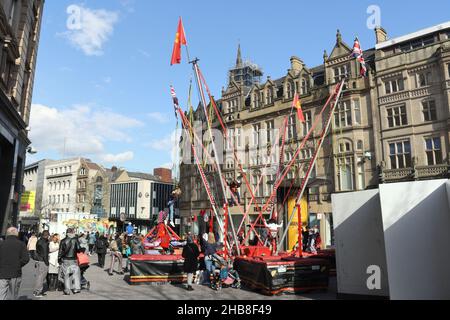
pixel 105 287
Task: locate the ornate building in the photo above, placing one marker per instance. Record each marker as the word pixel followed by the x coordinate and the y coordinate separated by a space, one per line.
pixel 391 126
pixel 20 23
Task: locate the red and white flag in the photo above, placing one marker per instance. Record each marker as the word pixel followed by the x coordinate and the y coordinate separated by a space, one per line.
pixel 298 105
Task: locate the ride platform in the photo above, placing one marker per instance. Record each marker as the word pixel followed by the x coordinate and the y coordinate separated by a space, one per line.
pixel 283 274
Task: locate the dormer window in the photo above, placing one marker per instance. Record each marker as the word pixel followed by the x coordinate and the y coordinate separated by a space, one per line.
pixel 290 90
pixel 82 172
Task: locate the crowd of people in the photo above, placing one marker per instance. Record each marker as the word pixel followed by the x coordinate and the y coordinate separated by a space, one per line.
pixel 60 262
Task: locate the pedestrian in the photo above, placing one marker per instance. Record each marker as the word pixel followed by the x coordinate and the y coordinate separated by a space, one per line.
pixel 137 248
pixel 190 255
pixel 42 263
pixel 84 243
pixel 13 257
pixel 126 251
pixel 67 258
pixel 116 254
pixel 53 270
pixel 31 246
pixel 305 238
pixel 210 249
pixel 91 241
pixel 101 246
pixel 312 241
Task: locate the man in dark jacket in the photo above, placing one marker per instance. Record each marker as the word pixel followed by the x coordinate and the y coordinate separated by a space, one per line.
pixel 190 255
pixel 67 258
pixel 13 257
pixel 101 246
pixel 41 264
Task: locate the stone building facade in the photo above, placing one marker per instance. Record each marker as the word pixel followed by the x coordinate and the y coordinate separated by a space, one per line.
pixel 20 24
pixel 391 126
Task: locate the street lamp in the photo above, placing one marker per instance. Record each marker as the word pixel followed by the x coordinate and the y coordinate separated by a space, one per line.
pixel 31 150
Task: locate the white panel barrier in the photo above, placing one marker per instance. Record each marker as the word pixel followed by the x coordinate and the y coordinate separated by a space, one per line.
pixel 404 229
pixel 359 243
pixel 416 223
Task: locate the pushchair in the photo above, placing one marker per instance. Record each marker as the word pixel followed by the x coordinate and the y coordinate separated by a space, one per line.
pixel 224 275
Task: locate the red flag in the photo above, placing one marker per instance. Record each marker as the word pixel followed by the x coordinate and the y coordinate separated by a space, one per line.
pixel 298 105
pixel 180 39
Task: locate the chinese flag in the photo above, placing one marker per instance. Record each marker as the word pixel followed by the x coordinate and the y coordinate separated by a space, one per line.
pixel 298 105
pixel 180 39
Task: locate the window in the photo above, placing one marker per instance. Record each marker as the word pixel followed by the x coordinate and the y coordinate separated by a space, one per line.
pixel 257 187
pixel 341 72
pixel 360 145
pixel 239 137
pixel 269 96
pixel 345 147
pixel 229 142
pixel 256 134
pixel 361 175
pixel 82 171
pixel 51 172
pixel 308 123
pixel 288 156
pixel 290 90
pixel 417 43
pixel 397 116
pixel 59 199
pixel 68 198
pixel 304 87
pixel 423 79
pixel 448 69
pixel 393 86
pixel 270 126
pixel 256 100
pixel 292 128
pixel 400 154
pixel 345 173
pixel 307 154
pixel 343 115
pixel 63 198
pixel 357 111
pixel 429 110
pixel 433 151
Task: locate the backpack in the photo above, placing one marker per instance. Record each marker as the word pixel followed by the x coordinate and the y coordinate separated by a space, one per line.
pixel 100 244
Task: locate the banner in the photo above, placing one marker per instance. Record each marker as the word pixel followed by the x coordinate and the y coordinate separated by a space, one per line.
pixel 27 202
pixel 293 229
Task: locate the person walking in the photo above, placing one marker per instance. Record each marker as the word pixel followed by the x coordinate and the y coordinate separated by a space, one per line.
pixel 53 270
pixel 116 254
pixel 84 242
pixel 31 246
pixel 42 264
pixel 13 257
pixel 101 246
pixel 67 258
pixel 190 255
pixel 91 241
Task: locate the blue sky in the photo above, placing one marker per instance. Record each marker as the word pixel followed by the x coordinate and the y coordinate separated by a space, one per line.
pixel 102 90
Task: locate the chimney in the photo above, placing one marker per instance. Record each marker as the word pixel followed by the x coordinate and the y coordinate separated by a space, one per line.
pixel 380 35
pixel 164 174
pixel 296 64
pixel 114 169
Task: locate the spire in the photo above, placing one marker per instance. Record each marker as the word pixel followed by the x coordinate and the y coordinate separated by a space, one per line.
pixel 239 57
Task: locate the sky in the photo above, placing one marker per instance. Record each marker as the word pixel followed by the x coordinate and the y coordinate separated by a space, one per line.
pixel 103 71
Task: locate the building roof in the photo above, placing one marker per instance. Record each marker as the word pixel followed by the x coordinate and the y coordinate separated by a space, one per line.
pixel 410 36
pixel 143 176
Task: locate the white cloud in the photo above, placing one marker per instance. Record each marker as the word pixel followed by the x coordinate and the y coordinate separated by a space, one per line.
pixel 118 158
pixel 158 116
pixel 80 131
pixel 91 30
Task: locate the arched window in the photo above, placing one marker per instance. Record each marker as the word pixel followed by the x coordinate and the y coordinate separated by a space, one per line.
pixel 269 96
pixel 59 185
